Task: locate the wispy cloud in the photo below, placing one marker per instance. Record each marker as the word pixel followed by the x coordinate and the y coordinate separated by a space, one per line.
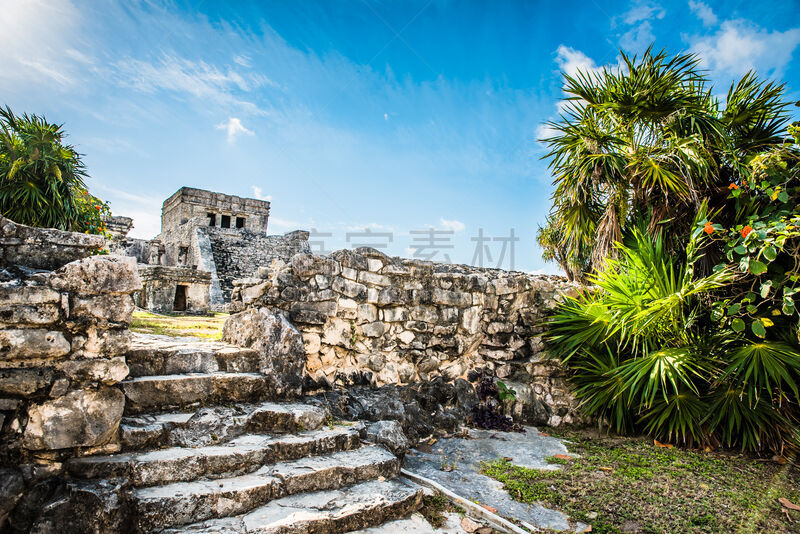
pixel 740 45
pixel 570 61
pixel 234 128
pixel 639 23
pixel 455 226
pixel 703 12
pixel 195 78
pixel 259 194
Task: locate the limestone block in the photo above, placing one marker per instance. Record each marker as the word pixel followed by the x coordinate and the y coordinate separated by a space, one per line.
pixel 25 382
pixel 106 371
pixel 499 327
pixel 81 418
pixel 98 275
pixel 406 337
pixel 105 342
pixel 451 298
pixel 32 343
pixel 392 315
pixel 103 308
pixel 367 313
pixel 350 289
pixel 312 312
pixel 15 294
pixel 336 332
pixel 374 264
pixel 323 281
pixel 307 265
pixel 506 285
pixel 471 320
pixel 376 329
pixel 367 277
pixel 390 296
pixel 428 364
pixel 39 314
pixel 390 435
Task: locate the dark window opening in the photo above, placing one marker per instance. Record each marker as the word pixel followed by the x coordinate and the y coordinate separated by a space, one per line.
pixel 226 221
pixel 239 222
pixel 183 253
pixel 212 219
pixel 180 298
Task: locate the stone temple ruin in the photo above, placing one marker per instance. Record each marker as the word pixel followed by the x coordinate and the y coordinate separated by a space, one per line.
pixel 207 241
pixel 298 421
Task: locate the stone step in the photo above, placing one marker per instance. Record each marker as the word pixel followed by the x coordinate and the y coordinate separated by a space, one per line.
pixel 182 503
pixel 151 355
pixel 161 392
pixel 331 511
pixel 242 455
pixel 214 425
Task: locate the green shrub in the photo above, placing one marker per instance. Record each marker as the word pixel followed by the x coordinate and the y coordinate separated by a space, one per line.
pixel 41 178
pixel 645 353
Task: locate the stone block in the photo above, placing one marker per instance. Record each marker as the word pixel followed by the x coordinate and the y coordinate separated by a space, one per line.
pixel 350 289
pixel 25 382
pixel 307 265
pixel 376 329
pixel 367 277
pixel 81 418
pixel 106 371
pixel 451 298
pixel 103 308
pixel 391 315
pixel 36 315
pixel 312 312
pixel 98 275
pixel 32 343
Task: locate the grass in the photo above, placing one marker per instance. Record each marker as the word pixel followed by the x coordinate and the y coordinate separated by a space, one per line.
pixel 630 485
pixel 435 506
pixel 204 327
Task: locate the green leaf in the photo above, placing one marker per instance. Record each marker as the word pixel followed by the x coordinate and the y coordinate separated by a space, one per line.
pixel 740 249
pixel 751 308
pixel 756 267
pixel 733 309
pixel 783 196
pixel 788 306
pixel 758 329
pixel 737 325
pixel 770 253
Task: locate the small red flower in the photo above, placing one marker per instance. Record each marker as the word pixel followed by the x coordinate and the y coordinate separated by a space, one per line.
pixel 708 228
pixel 98 208
pixel 733 186
pixel 746 230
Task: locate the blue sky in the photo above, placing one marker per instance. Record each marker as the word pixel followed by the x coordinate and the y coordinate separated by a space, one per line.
pixel 388 116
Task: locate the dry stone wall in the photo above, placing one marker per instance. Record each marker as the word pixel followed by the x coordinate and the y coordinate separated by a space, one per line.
pixel 367 318
pixel 63 336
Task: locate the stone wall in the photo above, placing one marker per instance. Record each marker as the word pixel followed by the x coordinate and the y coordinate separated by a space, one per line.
pixel 238 253
pixel 160 285
pixel 367 318
pixel 43 248
pixel 63 335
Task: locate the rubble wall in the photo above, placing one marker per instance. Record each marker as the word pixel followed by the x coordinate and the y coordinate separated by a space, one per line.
pixel 367 318
pixel 63 336
pixel 238 253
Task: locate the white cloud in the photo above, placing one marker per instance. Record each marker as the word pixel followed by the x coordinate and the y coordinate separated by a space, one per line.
pixel 739 46
pixel 643 11
pixel 386 116
pixel 703 12
pixel 570 61
pixel 455 226
pixel 234 128
pixel 259 194
pixel 639 19
pixel 242 60
pixel 196 78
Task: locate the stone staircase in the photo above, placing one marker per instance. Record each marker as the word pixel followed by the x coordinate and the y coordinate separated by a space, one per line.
pixel 203 450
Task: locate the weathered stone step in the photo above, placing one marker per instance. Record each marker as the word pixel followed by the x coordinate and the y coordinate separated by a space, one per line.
pixel 239 456
pixel 181 503
pixel 214 425
pixel 331 511
pixel 151 355
pixel 156 393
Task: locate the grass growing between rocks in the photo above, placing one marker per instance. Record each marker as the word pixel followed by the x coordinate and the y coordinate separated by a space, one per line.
pixel 434 508
pixel 204 327
pixel 630 485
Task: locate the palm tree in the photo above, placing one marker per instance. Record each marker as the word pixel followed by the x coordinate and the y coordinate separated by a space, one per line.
pixel 647 141
pixel 41 178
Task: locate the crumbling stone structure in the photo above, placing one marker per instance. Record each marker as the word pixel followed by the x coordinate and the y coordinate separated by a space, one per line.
pixel 367 318
pixel 207 241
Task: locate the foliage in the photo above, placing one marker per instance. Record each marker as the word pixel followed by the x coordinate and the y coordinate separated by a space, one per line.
pixel 42 179
pixel 648 141
pixel 646 355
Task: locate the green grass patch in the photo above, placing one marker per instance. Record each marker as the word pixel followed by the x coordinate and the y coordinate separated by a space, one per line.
pixel 629 485
pixel 434 508
pixel 203 327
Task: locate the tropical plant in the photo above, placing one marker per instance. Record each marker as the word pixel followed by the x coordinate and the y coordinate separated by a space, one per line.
pixel 648 141
pixel 42 178
pixel 645 354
